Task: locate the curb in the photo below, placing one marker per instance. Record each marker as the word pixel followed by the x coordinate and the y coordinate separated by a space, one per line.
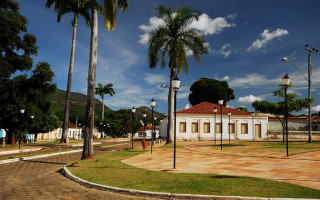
pixel 162 195
pixel 19 151
pixel 35 157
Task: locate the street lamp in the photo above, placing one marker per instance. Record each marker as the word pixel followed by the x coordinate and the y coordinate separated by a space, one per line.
pixel 229 114
pixel 22 112
pixel 315 51
pixel 133 110
pixel 154 135
pixel 152 104
pixel 79 135
pixel 215 124
pixel 252 126
pixel 285 83
pixel 175 85
pixel 221 103
pixel 144 121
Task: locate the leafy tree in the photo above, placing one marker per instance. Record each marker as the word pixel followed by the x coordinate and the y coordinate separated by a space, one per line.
pixel 170 41
pixel 278 109
pixel 242 108
pixel 108 10
pixel 16 45
pixel 31 94
pixel 77 7
pixel 210 90
pixel 103 90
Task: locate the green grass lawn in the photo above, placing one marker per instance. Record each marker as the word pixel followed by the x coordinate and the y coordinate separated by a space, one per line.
pixel 109 170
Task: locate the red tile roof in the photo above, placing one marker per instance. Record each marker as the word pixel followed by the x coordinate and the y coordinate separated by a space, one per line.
pixel 290 119
pixel 147 128
pixel 207 108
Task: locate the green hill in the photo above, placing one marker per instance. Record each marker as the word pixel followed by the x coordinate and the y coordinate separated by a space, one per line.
pixel 78 105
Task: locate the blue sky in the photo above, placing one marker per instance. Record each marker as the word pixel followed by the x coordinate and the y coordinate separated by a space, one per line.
pixel 247 40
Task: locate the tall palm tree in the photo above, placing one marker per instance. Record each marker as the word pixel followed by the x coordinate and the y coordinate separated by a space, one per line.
pixel 103 90
pixel 108 10
pixel 171 41
pixel 77 7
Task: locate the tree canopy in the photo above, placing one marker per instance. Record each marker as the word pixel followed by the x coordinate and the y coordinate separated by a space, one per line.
pixel 22 91
pixel 210 90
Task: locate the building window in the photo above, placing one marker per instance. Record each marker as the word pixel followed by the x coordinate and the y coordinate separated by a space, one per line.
pixel 218 127
pixel 206 127
pixel 182 127
pixel 244 128
pixel 231 128
pixel 194 127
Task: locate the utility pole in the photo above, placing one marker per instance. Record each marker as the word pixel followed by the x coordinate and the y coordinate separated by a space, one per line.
pixel 315 51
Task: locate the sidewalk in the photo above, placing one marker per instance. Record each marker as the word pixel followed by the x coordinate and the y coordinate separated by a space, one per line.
pixel 301 169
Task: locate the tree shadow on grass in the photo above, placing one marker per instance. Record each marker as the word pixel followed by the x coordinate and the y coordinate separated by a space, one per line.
pixel 224 176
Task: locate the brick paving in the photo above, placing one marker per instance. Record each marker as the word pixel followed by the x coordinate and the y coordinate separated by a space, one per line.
pixel 200 157
pixel 41 179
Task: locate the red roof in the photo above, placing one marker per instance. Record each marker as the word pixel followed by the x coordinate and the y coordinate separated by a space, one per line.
pixel 291 119
pixel 207 108
pixel 147 128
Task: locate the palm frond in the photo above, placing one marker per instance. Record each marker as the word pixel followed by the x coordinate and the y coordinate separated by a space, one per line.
pixel 109 13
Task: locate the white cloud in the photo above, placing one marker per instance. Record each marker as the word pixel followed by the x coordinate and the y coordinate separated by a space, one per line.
pixel 225 50
pixel 205 25
pixel 154 22
pixel 249 99
pixel 210 26
pixel 226 78
pixel 315 108
pixel 232 16
pixel 266 37
pixel 156 78
pixel 252 80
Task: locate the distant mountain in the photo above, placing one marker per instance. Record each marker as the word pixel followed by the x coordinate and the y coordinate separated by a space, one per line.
pixel 78 105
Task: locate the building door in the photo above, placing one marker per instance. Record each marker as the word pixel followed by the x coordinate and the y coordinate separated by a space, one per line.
pixel 257 130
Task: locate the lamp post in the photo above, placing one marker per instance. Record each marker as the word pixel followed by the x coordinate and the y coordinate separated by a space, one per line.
pixel 154 135
pixel 32 116
pixel 175 85
pixel 229 114
pixel 215 124
pixel 133 110
pixel 221 103
pixel 22 112
pixel 152 104
pixel 315 51
pixel 79 135
pixel 285 83
pixel 144 121
pixel 253 127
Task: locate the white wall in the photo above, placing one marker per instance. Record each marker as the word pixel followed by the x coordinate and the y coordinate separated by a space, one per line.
pixel 202 118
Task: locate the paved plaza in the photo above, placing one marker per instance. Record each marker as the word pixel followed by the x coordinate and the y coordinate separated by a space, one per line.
pixel 200 157
pixel 41 179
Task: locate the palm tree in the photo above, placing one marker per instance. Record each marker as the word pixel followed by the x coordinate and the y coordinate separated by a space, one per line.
pixel 171 41
pixel 77 7
pixel 108 10
pixel 103 90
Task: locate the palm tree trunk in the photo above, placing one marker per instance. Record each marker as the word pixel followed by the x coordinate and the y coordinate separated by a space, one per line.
pixel 170 109
pixel 88 131
pixel 68 94
pixel 102 116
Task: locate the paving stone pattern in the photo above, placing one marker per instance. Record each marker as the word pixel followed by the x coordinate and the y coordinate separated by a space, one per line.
pixel 41 179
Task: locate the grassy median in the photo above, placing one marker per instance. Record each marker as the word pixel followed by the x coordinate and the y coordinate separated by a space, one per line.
pixel 109 170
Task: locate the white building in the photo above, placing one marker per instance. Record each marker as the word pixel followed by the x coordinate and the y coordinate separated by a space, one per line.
pixel 200 122
pixel 74 132
pixel 146 133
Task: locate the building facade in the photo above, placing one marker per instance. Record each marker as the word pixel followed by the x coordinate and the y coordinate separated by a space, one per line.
pixel 200 122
